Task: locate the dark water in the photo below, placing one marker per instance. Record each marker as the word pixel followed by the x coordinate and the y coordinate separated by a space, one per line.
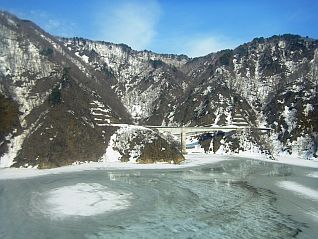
pixel 225 200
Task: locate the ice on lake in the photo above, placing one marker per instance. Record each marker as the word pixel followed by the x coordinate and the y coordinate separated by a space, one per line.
pixel 229 199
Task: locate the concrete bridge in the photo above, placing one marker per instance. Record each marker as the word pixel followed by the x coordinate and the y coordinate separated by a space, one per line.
pixel 184 131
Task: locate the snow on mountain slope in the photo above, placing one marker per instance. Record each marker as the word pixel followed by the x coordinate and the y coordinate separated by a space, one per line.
pixel 274 78
pixel 65 107
pixel 140 144
pixel 66 94
pixel 217 88
pixel 22 66
pixel 144 81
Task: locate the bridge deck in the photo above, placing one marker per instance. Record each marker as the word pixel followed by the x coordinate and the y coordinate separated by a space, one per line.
pixel 183 131
pixel 189 129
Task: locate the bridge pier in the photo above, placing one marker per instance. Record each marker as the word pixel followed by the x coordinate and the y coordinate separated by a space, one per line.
pixel 183 141
pixel 183 131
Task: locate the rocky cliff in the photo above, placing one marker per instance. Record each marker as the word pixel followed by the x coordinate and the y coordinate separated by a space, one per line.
pixel 55 108
pixel 231 87
pixel 148 84
pixel 268 82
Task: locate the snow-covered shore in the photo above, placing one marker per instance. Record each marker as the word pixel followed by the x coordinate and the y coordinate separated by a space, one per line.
pixel 192 160
pixel 289 160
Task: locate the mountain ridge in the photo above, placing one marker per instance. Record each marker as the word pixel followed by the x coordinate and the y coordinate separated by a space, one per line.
pixel 70 91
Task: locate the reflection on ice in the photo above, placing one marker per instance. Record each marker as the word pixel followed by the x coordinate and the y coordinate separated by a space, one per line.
pixel 299 189
pixel 85 199
pixel 313 175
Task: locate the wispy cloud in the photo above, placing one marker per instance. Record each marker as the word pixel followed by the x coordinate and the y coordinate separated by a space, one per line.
pixel 199 46
pixel 129 22
pixel 195 45
pixel 51 24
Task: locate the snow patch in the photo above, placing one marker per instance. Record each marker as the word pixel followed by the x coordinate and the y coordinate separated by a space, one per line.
pixel 14 146
pixel 85 58
pixel 308 108
pixel 207 91
pixel 290 118
pixel 313 175
pixel 121 141
pixel 103 112
pixel 16 143
pixel 111 155
pixel 84 199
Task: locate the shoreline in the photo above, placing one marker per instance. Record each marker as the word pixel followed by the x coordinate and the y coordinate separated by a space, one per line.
pixel 192 160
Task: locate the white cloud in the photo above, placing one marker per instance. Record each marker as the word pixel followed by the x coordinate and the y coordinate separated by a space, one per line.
pixel 49 23
pixel 52 24
pixel 201 46
pixel 129 22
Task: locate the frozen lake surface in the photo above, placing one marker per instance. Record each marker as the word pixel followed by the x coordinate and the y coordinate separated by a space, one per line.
pixel 232 199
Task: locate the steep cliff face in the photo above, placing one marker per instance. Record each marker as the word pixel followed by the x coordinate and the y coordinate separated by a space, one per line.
pixel 9 122
pixel 58 109
pixel 147 83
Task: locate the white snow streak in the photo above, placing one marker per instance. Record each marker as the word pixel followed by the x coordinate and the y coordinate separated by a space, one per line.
pixel 299 189
pixel 111 155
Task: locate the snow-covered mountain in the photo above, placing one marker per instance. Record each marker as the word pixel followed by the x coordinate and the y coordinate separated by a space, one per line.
pixel 64 100
pixel 269 82
pixel 229 87
pixel 148 84
pixel 55 108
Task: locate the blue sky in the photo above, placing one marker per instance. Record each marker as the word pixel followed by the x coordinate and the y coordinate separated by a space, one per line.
pixel 195 27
